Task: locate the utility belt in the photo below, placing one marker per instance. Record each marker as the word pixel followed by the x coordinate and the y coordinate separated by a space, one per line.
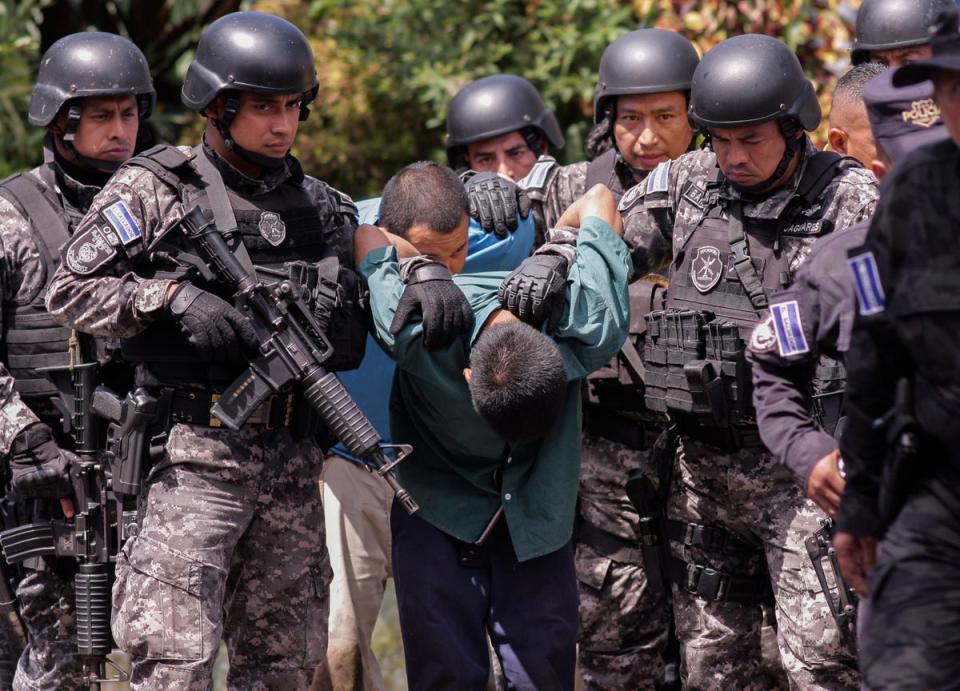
pixel 635 433
pixel 695 365
pixel 192 406
pixel 607 544
pixel 726 439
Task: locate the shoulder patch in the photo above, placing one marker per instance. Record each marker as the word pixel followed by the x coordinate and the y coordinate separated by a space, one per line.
pixel 763 339
pixel 788 328
pixel 119 216
pixel 92 247
pixel 866 279
pixel 536 179
pixel 659 178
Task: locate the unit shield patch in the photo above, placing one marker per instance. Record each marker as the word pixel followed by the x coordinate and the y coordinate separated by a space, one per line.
pixel 272 228
pixel 706 268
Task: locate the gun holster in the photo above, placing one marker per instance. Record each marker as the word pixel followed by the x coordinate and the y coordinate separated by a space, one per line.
pixel 644 497
pixel 841 598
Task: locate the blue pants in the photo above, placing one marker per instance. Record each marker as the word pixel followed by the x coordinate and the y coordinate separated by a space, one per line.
pixel 529 610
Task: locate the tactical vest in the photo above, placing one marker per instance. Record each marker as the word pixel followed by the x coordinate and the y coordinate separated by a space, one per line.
pixel 32 339
pixel 282 226
pixel 719 282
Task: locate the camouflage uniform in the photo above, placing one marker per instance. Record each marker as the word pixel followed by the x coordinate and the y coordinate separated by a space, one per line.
pixel 46 594
pixel 232 540
pixel 723 476
pixel 906 329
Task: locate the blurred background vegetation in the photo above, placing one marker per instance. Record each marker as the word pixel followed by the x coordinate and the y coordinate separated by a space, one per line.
pixel 388 67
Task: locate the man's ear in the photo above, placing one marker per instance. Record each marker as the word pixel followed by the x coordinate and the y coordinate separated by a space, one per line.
pixel 879 169
pixel 59 123
pixel 838 140
pixel 214 109
pixel 467 374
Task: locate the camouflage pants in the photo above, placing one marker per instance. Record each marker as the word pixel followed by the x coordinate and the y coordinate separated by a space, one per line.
pixel 623 625
pixel 47 608
pixel 913 641
pixel 231 544
pixel 750 494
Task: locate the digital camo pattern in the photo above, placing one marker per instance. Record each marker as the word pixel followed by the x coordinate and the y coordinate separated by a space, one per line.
pixel 657 223
pixel 49 662
pixel 752 495
pixel 623 625
pixel 23 275
pixel 110 299
pixel 231 545
pixel 566 186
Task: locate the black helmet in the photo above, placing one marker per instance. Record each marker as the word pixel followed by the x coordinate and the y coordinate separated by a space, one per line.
pixel 90 63
pixel 751 79
pixel 496 105
pixel 889 24
pixel 646 61
pixel 250 51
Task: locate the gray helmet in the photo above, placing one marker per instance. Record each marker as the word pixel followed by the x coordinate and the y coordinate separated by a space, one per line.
pixel 496 105
pixel 751 79
pixel 889 24
pixel 250 51
pixel 646 61
pixel 90 63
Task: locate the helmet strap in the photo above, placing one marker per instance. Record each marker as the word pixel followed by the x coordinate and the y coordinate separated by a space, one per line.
pixel 69 136
pixel 532 137
pixel 788 128
pixel 230 107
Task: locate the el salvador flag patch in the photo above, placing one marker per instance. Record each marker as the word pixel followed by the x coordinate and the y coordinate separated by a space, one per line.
pixel 789 329
pixel 866 279
pixel 118 215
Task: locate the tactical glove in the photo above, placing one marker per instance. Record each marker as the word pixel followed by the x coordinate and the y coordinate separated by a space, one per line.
pixel 444 309
pixel 38 467
pixel 214 327
pixel 536 291
pixel 495 203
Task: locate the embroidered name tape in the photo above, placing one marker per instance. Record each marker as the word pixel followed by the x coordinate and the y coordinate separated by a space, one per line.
pixel 118 215
pixel 789 329
pixel 866 279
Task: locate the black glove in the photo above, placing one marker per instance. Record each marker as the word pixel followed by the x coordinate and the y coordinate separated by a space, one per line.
pixel 38 467
pixel 444 309
pixel 495 202
pixel 536 291
pixel 214 327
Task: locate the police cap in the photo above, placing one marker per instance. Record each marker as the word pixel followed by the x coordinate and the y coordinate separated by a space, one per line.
pixel 902 119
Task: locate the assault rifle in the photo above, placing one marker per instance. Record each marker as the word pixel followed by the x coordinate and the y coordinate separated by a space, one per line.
pixel 841 598
pixel 293 350
pixel 105 486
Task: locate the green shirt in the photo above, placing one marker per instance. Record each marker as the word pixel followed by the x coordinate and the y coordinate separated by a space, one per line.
pixel 457 457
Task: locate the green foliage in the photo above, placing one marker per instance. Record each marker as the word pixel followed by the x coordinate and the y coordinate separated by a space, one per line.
pixel 19 43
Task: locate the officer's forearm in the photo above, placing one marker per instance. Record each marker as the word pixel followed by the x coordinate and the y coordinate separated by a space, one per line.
pixel 110 306
pixel 15 415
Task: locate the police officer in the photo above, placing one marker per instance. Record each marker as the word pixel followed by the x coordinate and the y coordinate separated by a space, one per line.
pixel 639 118
pixel 92 93
pixel 735 223
pixel 793 370
pixel 902 391
pixel 500 124
pixel 231 542
pixel 894 32
pixel 642 94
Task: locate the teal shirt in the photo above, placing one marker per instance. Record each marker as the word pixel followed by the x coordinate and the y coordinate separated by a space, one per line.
pixel 457 456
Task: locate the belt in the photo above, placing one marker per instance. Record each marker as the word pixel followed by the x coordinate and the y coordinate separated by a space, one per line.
pixel 192 406
pixel 727 439
pixel 607 544
pixel 709 584
pixel 708 537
